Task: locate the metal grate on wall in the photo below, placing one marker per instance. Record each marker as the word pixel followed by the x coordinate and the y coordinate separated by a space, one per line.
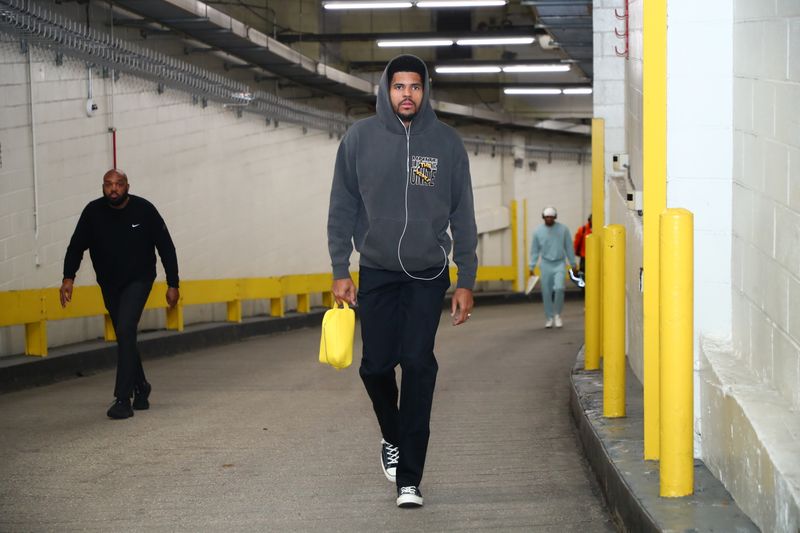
pixel 36 25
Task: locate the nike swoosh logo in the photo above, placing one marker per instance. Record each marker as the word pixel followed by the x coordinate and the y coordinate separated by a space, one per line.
pixel 135 225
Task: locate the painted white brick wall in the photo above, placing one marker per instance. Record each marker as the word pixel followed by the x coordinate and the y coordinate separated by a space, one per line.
pixel 766 173
pixel 749 387
pixel 734 160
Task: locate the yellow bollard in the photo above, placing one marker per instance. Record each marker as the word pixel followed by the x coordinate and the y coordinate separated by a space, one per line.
pixel 592 313
pixel 36 338
pixel 676 341
pixel 614 321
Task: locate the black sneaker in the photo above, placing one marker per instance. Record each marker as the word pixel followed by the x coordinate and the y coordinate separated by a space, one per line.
pixel 390 455
pixel 120 409
pixel 140 397
pixel 409 497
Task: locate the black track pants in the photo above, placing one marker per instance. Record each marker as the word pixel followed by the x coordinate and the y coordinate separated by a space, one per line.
pixel 399 318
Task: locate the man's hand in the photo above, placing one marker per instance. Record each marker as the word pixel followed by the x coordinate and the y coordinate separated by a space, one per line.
pixel 344 290
pixel 173 295
pixel 65 292
pixel 461 307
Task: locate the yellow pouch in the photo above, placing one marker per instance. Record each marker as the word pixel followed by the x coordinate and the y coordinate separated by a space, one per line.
pixel 336 342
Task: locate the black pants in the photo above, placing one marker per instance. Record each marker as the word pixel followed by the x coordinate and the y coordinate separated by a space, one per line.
pixel 125 305
pixel 399 318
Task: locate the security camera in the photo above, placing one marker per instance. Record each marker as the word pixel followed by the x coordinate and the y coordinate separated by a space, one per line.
pixel 91 107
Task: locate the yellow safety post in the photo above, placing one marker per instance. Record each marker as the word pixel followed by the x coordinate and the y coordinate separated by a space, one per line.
pixel 303 303
pixel 614 321
pixel 599 202
pixel 328 300
pixel 276 307
pixel 109 333
pixel 676 323
pixel 592 303
pixel 654 171
pixel 525 254
pixel 235 311
pixel 515 286
pixel 36 338
pixel 175 317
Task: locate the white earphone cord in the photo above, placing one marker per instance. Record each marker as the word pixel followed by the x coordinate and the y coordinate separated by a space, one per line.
pixel 405 223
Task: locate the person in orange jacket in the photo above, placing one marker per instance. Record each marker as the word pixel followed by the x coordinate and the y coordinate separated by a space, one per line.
pixel 579 244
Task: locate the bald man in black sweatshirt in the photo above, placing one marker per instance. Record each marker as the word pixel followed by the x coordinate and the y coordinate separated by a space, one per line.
pixel 122 232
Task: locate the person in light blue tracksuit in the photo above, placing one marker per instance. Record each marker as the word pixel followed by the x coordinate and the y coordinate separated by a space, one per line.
pixel 552 243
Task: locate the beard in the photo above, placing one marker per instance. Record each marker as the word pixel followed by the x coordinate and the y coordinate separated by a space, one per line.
pixel 118 201
pixel 407 116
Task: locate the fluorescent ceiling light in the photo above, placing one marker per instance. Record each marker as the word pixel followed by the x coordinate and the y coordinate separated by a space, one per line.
pixel 494 40
pixel 366 5
pixel 536 68
pixel 461 3
pixel 578 90
pixel 415 42
pixel 468 70
pixel 531 90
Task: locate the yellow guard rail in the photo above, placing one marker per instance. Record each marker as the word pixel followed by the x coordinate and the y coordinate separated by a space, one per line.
pixel 33 308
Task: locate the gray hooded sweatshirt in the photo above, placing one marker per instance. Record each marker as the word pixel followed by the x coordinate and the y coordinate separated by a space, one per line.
pixel 396 190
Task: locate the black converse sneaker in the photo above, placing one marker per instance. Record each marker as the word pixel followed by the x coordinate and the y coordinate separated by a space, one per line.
pixel 409 497
pixel 390 455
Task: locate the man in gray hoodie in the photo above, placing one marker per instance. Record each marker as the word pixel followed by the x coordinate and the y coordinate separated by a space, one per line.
pixel 401 179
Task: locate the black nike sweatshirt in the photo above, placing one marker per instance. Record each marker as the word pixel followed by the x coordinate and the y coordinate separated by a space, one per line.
pixel 122 243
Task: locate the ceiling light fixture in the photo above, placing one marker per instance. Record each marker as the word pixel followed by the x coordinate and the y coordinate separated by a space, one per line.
pixel 487 69
pixel 415 42
pixel 536 68
pixel 366 5
pixel 461 3
pixel 481 41
pixel 578 90
pixel 531 90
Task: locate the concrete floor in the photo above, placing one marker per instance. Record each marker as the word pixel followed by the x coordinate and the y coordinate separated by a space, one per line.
pixel 258 436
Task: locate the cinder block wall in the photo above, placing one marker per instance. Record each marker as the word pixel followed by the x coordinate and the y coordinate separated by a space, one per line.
pixel 766 193
pixel 751 386
pixel 732 159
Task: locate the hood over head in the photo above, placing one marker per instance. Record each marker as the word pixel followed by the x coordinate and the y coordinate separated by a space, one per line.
pixel 425 116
